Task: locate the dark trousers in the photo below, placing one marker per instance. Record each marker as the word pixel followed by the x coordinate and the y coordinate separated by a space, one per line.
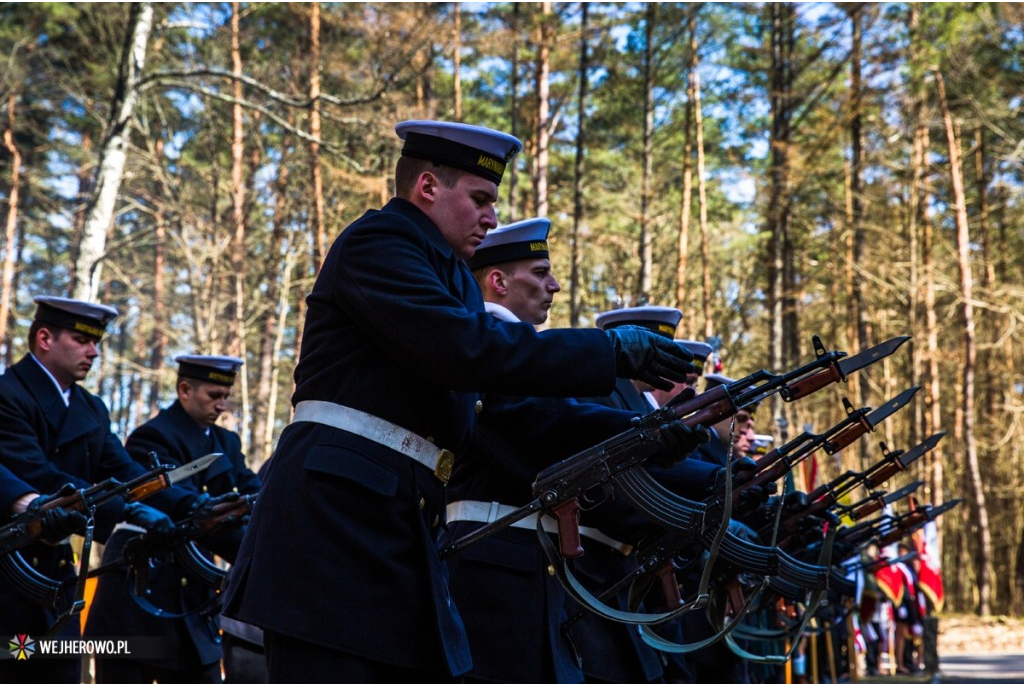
pixel 296 661
pixel 40 670
pixel 244 661
pixel 127 671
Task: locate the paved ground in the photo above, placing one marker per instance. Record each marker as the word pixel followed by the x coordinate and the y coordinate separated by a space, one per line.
pixel 967 668
pixel 982 668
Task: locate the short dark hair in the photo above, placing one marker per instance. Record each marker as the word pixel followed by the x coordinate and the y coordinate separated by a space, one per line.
pixel 408 169
pixel 34 329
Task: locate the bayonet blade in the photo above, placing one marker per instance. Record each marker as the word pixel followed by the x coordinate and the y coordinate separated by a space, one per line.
pixel 872 355
pixel 935 512
pixel 902 492
pixel 192 468
pixel 891 407
pixel 914 453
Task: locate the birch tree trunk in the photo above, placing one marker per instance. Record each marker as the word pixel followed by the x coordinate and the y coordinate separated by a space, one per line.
pixel 976 489
pixel 578 170
pixel 113 155
pixel 264 405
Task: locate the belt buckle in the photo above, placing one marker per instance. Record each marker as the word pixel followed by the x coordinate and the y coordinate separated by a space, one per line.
pixel 445 463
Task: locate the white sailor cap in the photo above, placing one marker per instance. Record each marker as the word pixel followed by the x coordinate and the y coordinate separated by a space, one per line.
pixel 482 151
pixel 662 320
pixel 700 351
pixel 713 380
pixel 526 239
pixel 210 368
pixel 74 315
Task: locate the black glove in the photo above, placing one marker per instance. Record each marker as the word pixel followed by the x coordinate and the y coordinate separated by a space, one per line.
pixel 649 357
pixel 794 503
pixel 155 522
pixel 203 507
pixel 56 523
pixel 676 440
pixel 743 531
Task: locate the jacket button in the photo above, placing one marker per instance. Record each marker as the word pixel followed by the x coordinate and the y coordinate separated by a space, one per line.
pixel 479 406
pixel 551 570
pixel 35 561
pixel 62 563
pixel 184 582
pixel 423 503
pixel 437 520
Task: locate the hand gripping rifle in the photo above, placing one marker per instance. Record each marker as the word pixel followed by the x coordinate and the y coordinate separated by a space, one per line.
pixel 180 546
pixel 27 527
pixel 559 488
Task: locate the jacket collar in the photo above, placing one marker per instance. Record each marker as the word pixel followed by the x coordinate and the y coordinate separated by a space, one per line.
pixel 429 228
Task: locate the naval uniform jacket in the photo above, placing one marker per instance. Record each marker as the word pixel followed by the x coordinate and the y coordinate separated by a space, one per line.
pixel 12 489
pixel 47 444
pixel 341 550
pixel 512 607
pixel 194 639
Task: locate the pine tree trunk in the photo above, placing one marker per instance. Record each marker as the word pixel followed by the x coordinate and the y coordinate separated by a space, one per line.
pixel 540 175
pixel 236 343
pixel 10 226
pixel 702 193
pixel 645 278
pixel 686 201
pixel 457 60
pixel 975 489
pixel 575 305
pixel 158 337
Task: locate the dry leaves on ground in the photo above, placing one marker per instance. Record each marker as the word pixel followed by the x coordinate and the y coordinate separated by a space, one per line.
pixel 963 634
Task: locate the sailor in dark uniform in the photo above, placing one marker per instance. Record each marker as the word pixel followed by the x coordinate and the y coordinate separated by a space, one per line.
pixel 179 434
pixel 718 663
pixel 512 606
pixel 614 652
pixel 53 432
pixel 339 564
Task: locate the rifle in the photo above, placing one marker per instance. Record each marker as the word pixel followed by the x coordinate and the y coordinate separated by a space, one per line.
pixel 888 529
pixel 180 545
pixel 858 422
pixel 876 501
pixel 27 526
pixel 558 488
pixel 830 493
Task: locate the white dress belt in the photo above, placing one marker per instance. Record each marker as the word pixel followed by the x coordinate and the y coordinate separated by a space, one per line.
pixel 380 431
pixel 489 512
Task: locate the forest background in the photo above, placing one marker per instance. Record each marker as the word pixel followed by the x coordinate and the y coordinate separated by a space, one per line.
pixel 775 170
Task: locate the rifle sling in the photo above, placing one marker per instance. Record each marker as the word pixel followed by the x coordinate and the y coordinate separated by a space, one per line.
pixel 578 592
